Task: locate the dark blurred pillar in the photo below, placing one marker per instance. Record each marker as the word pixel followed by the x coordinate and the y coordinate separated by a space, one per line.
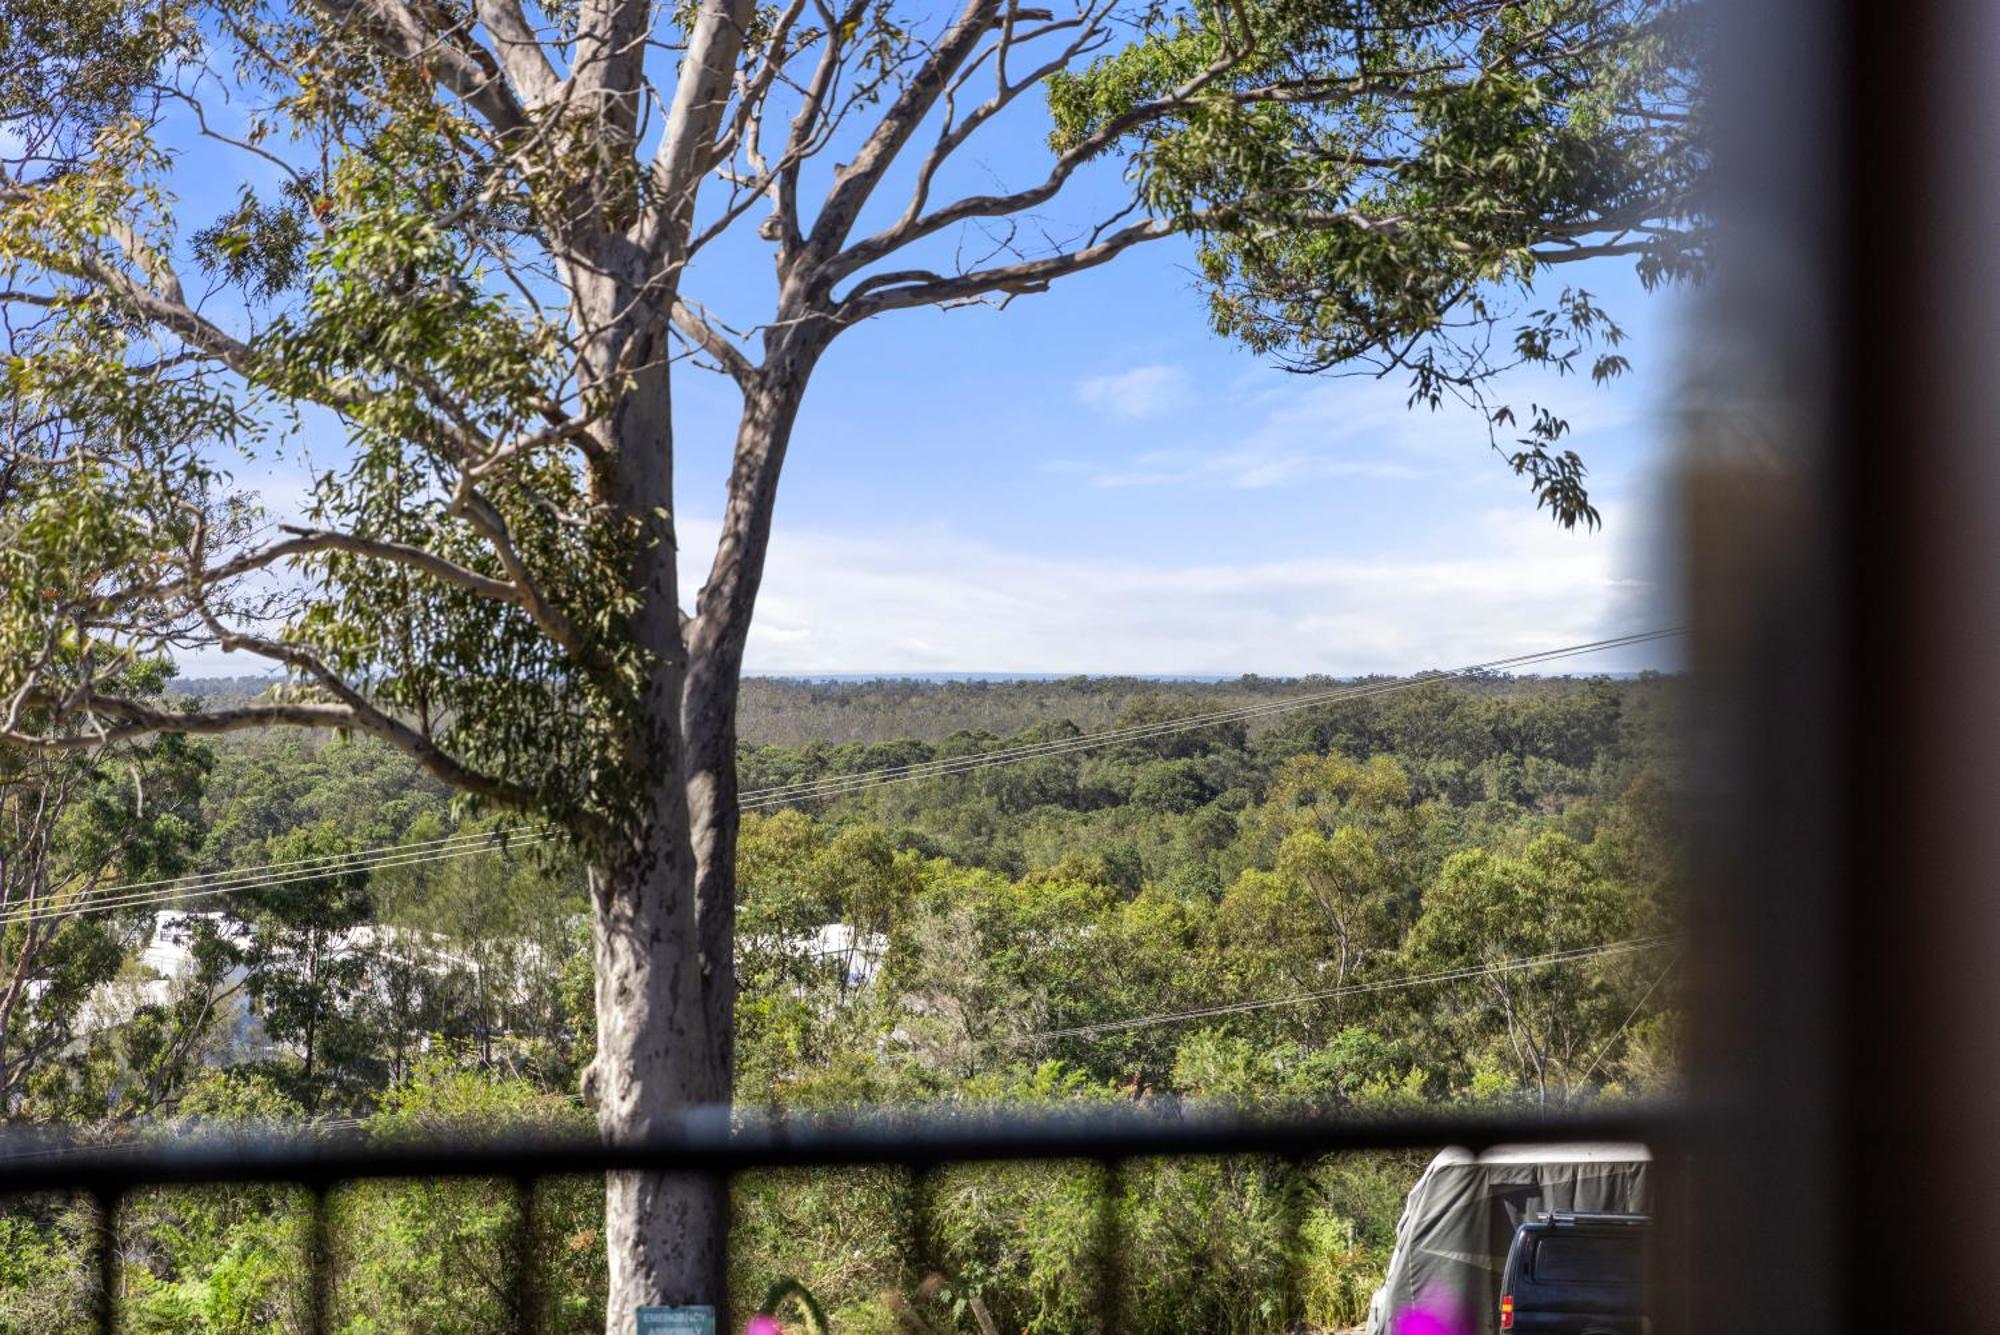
pixel 1844 494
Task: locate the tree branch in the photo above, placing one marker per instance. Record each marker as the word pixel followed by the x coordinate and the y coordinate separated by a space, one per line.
pixel 806 125
pixel 691 322
pixel 854 183
pixel 687 147
pixel 379 549
pixel 912 227
pixel 521 52
pixel 897 291
pixel 134 720
pixel 364 716
pixel 460 65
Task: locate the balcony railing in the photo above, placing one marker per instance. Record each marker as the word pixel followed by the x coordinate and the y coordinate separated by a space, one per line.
pixel 712 1143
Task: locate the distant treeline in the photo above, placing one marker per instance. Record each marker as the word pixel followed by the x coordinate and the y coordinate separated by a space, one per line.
pixel 795 711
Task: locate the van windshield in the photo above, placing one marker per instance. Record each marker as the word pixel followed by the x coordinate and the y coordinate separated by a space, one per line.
pixel 1581 1259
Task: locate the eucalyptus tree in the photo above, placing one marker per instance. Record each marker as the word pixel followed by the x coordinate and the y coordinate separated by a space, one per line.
pixel 1549 1025
pixel 71 826
pixel 463 241
pixel 304 967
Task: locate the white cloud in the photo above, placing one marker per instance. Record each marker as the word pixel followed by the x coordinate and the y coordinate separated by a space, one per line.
pixel 1250 466
pixel 1138 394
pixel 928 601
pixel 1284 431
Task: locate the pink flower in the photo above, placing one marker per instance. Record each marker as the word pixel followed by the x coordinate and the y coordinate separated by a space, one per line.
pixel 763 1324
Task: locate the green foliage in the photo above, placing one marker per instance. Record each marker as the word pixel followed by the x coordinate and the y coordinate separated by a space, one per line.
pixel 218 1259
pixel 476 287
pixel 1370 181
pixel 92 57
pixel 844 1233
pixel 1489 909
pixel 1345 847
pixel 443 1256
pixel 304 975
pixel 44 1284
pixel 69 825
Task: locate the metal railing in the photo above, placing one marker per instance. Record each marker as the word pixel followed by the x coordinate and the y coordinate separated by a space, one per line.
pixel 714 1143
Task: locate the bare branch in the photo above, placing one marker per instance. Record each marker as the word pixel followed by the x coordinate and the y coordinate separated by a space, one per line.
pixel 884 292
pixel 363 715
pixel 305 542
pixel 521 53
pixel 488 520
pixel 807 124
pixel 458 63
pixel 692 322
pixel 396 553
pixel 688 147
pixel 1090 33
pixel 1570 254
pixel 608 71
pixel 854 183
pixel 911 227
pixel 133 720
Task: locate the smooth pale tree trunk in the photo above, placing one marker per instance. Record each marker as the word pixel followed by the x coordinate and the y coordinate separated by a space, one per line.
pixel 664 896
pixel 656 1061
pixel 655 1055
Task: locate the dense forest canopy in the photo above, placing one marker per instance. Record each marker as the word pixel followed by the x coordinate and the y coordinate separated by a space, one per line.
pixel 1340 907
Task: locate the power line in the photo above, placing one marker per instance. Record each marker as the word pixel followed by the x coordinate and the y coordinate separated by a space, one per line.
pixel 339 860
pixel 1353 989
pixel 380 860
pixel 1637 1006
pixel 127 893
pixel 179 890
pixel 1402 983
pixel 1032 750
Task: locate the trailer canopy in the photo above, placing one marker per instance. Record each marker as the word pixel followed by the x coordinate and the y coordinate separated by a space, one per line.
pixel 1452 1241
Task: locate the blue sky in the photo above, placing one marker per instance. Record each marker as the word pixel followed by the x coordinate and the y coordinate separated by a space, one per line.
pixel 1090 481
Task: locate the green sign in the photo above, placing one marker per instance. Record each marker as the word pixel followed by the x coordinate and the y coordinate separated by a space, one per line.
pixel 677 1321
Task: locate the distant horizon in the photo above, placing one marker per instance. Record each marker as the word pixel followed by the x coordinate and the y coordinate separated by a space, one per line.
pixel 1195 678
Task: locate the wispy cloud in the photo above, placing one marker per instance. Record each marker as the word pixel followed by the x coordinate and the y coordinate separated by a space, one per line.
pixel 1278 432
pixel 1247 467
pixel 1142 393
pixel 929 600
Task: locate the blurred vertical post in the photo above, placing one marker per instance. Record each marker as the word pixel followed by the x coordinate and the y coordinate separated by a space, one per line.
pixel 1843 487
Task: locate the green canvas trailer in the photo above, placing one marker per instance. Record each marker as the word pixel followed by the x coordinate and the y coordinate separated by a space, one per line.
pixel 1452 1239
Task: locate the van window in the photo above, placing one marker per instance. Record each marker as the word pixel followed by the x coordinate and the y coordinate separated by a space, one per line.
pixel 1582 1259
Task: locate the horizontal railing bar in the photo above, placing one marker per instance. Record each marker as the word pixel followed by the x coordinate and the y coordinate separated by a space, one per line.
pixel 705 1140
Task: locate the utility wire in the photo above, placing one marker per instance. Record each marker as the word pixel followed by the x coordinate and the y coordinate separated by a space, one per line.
pixel 177 890
pixel 129 893
pixel 339 860
pixel 1353 989
pixel 829 785
pixel 1637 1006
pixel 1210 719
pixel 1405 982
pixel 384 859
